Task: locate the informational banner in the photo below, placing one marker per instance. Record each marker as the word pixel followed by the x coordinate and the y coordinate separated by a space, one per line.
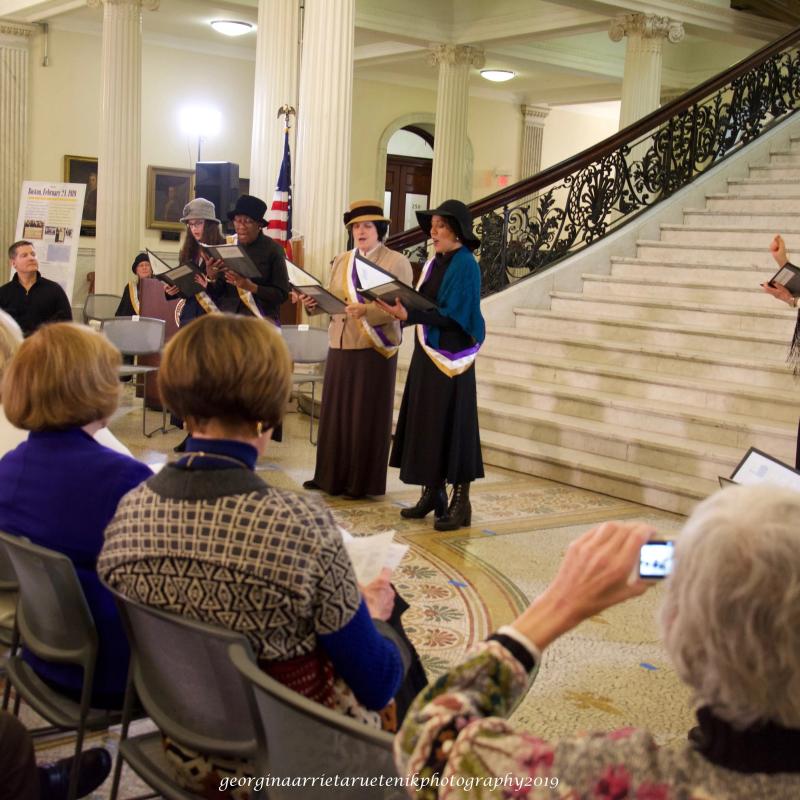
pixel 50 218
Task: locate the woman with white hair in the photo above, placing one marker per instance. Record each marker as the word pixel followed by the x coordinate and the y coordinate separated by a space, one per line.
pixel 731 623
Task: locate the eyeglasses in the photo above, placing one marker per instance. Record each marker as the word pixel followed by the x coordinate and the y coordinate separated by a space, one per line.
pixel 243 221
pixel 195 223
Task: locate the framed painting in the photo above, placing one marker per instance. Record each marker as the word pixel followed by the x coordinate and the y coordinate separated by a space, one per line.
pixel 168 191
pixel 83 169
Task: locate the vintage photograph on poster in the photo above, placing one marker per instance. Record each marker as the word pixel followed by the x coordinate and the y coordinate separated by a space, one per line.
pixel 168 191
pixel 83 169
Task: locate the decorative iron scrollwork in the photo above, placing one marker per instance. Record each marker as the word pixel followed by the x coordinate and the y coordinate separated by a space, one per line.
pixel 528 236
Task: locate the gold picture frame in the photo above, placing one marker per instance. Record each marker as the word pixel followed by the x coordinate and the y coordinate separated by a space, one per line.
pixel 168 191
pixel 83 169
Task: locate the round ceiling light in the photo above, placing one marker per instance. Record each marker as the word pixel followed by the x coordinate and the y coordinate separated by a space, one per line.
pixel 231 27
pixel 497 75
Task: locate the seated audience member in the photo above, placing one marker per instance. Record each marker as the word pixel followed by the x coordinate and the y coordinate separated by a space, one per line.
pixel 10 436
pixel 10 338
pixel 31 299
pixel 229 377
pixel 731 625
pixel 60 488
pixel 131 294
pixel 23 780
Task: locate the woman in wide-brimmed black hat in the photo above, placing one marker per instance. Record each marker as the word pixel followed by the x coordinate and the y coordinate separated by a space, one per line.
pixel 355 426
pixel 437 440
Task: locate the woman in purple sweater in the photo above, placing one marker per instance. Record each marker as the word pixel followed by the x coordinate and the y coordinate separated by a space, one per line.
pixel 60 488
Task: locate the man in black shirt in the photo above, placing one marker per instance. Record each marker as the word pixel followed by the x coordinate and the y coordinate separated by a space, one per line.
pixel 31 299
pixel 272 288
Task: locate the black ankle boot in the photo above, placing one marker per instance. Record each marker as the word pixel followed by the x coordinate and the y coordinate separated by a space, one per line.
pixel 95 765
pixel 459 514
pixel 433 498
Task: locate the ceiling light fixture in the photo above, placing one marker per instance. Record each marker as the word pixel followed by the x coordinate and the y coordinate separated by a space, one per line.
pixel 231 27
pixel 497 75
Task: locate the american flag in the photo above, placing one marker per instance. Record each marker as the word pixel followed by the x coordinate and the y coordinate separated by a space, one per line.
pixel 279 219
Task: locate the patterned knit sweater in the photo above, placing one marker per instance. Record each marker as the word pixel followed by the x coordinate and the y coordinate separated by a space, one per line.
pixel 221 546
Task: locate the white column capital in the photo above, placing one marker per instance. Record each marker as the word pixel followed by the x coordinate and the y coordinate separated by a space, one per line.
pixel 455 54
pixel 534 116
pixel 16 30
pixel 647 26
pixel 148 5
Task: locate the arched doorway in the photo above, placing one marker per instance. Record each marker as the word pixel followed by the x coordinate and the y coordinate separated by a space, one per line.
pixel 409 162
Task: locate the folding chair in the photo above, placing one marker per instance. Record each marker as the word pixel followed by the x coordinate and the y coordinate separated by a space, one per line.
pixel 138 336
pixel 184 679
pixel 307 346
pixel 55 624
pixel 100 307
pixel 298 737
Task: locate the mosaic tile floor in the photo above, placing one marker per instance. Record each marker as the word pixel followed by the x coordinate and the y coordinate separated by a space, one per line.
pixel 610 672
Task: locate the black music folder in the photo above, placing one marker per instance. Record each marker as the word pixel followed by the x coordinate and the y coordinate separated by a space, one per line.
pixel 789 277
pixel 181 276
pixel 378 284
pixel 757 466
pixel 234 258
pixel 305 283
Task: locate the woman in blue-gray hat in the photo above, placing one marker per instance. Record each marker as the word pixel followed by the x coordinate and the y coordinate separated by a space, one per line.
pixel 437 440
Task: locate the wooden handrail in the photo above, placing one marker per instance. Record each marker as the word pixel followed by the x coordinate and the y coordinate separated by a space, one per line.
pixel 628 135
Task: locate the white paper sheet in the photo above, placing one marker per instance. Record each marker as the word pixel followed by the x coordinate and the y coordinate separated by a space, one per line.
pixel 370 554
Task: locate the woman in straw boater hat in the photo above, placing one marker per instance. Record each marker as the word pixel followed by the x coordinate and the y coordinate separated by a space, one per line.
pixel 437 440
pixel 356 418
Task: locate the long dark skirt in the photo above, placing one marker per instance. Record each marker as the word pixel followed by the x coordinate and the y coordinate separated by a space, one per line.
pixel 437 437
pixel 355 425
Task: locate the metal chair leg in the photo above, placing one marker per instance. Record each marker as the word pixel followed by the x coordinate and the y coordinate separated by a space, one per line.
pixel 311 415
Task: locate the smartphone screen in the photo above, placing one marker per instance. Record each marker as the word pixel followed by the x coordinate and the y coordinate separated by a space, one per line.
pixel 655 560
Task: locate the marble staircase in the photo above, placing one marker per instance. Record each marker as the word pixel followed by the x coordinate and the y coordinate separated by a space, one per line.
pixel 656 378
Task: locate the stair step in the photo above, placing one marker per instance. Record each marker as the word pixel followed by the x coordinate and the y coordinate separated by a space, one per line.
pixel 765 202
pixel 664 335
pixel 779 319
pixel 777 170
pixel 731 236
pixel 645 415
pixel 602 285
pixel 647 485
pixel 776 186
pixel 691 253
pixel 744 218
pixel 768 374
pixel 641 448
pixel 740 275
pixel 779 405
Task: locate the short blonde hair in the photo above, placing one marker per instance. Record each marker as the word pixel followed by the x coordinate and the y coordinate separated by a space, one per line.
pixel 65 375
pixel 232 368
pixel 10 338
pixel 731 613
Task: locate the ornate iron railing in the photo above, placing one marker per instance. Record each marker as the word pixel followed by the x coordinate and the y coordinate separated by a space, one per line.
pixel 535 223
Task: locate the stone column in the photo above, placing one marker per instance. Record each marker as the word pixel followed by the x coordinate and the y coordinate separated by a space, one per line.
pixel 120 213
pixel 14 38
pixel 277 55
pixel 448 178
pixel 324 116
pixel 533 118
pixel 641 81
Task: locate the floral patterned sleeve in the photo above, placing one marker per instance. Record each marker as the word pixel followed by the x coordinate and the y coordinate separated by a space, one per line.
pixel 455 743
pixel 475 694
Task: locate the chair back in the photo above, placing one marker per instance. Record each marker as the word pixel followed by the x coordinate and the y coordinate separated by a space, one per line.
pixel 8 578
pixel 185 680
pixel 54 620
pixel 135 336
pixel 306 346
pixel 100 307
pixel 297 736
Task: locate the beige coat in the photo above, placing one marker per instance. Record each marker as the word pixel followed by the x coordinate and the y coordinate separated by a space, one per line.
pixel 348 334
